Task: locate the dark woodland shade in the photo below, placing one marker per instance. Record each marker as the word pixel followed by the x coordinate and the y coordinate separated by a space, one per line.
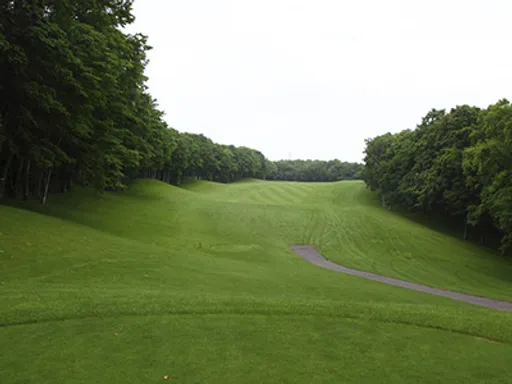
pixel 456 165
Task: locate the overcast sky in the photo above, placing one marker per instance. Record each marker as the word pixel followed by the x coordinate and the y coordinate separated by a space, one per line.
pixel 314 78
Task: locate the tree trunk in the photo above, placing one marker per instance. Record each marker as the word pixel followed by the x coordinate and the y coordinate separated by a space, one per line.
pixel 3 176
pixel 383 201
pixel 48 176
pixel 26 191
pixel 18 188
pixel 70 181
pixel 64 182
pixel 466 228
pixel 39 186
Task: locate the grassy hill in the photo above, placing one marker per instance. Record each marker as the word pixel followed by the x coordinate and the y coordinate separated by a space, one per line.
pixel 198 283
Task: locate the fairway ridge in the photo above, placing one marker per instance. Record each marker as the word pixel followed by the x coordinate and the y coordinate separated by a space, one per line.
pixel 309 253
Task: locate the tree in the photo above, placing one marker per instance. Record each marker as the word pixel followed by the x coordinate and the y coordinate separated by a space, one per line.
pixel 454 165
pixel 488 167
pixel 314 170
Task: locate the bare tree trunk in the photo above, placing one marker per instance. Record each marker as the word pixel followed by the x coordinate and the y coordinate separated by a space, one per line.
pixel 39 186
pixel 18 188
pixel 26 191
pixel 70 181
pixel 3 176
pixel 48 176
pixel 64 181
pixel 383 201
pixel 466 228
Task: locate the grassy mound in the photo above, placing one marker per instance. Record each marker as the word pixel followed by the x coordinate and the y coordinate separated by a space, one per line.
pixel 198 283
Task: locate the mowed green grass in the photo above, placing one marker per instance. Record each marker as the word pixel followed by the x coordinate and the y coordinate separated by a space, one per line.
pixel 198 283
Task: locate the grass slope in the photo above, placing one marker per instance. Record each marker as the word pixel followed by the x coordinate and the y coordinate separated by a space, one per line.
pixel 197 283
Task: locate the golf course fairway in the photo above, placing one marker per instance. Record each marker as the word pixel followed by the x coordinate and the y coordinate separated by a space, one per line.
pixel 197 284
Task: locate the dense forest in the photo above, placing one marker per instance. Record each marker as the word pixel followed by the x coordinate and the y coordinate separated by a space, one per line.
pixel 314 170
pixel 75 109
pixel 455 165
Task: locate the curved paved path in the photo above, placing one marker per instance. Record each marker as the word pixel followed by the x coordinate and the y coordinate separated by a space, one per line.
pixel 309 253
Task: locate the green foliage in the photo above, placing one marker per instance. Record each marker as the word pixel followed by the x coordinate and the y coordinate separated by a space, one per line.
pixel 314 170
pixel 74 106
pixel 488 164
pixel 456 164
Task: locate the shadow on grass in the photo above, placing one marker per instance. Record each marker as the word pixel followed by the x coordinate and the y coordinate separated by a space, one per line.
pixel 453 226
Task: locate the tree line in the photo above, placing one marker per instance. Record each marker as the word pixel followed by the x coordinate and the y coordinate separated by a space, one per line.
pixel 314 170
pixel 74 107
pixel 456 165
